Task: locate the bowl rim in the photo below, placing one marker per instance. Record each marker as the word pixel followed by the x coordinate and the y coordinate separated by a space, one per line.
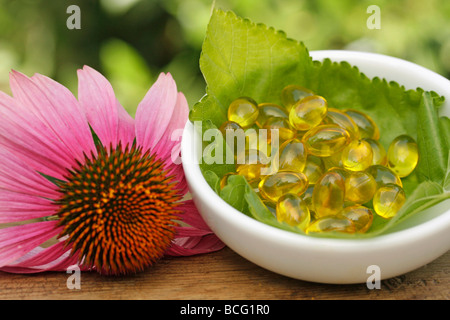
pixel 398 238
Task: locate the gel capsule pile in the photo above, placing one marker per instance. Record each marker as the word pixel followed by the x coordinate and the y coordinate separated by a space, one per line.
pixel 315 167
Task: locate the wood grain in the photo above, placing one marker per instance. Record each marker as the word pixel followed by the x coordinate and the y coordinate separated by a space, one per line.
pixel 222 275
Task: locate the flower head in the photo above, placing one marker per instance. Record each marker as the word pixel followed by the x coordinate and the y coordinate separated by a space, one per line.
pixel 100 186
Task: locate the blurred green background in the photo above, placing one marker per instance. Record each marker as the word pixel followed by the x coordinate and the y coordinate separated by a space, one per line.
pixel 132 41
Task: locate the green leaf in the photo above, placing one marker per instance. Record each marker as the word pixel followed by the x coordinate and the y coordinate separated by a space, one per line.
pixel 233 190
pixel 214 150
pixel 444 127
pixel 241 58
pixel 213 180
pixel 446 184
pixel 432 147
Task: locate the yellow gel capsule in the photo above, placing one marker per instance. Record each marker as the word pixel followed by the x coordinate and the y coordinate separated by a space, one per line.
pixel 344 173
pixel 291 94
pixel 361 217
pixel 360 187
pixel 292 210
pixel 253 140
pixel 252 165
pixel 292 156
pixel 333 161
pixel 251 172
pixel 326 140
pixel 272 187
pixel 285 130
pixel 307 197
pixel 252 157
pixel 331 224
pixel 229 125
pixel 328 195
pixel 243 111
pixel 335 116
pixel 269 110
pixel 234 136
pixel 308 113
pixel 357 155
pixel 388 200
pixel 314 168
pixel 379 153
pixel 403 155
pixel 367 127
pixel 384 175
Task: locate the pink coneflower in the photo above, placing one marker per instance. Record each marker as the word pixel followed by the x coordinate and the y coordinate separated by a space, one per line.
pixel 86 175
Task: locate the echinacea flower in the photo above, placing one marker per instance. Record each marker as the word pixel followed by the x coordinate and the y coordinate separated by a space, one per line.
pixel 98 187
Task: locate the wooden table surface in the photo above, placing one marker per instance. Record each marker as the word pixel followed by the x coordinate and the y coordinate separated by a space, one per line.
pixel 222 275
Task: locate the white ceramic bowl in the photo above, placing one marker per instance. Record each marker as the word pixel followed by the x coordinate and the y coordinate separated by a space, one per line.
pixel 323 260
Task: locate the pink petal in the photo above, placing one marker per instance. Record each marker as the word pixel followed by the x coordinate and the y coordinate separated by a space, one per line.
pixel 107 117
pixel 170 143
pixel 16 176
pixel 57 109
pixel 27 138
pixel 16 206
pixel 54 258
pixel 154 113
pixel 196 238
pixel 16 241
pixel 75 128
pixel 195 245
pixel 191 216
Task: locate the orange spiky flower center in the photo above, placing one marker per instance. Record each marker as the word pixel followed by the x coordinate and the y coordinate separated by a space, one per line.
pixel 118 210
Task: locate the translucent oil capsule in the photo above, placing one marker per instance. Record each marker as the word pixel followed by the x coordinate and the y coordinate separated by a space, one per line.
pixel 293 93
pixel 251 172
pixel 251 165
pixel 344 173
pixel 285 130
pixel 331 224
pixel 234 135
pixel 307 198
pixel 254 140
pixel 272 187
pixel 360 187
pixel 367 127
pixel 314 168
pixel 251 157
pixel 361 217
pixel 269 110
pixel 292 156
pixel 292 210
pixel 308 113
pixel 243 111
pixel 379 152
pixel 388 200
pixel 335 116
pixel 357 155
pixel 328 195
pixel 333 161
pixel 384 175
pixel 326 140
pixel 403 155
pixel 229 125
